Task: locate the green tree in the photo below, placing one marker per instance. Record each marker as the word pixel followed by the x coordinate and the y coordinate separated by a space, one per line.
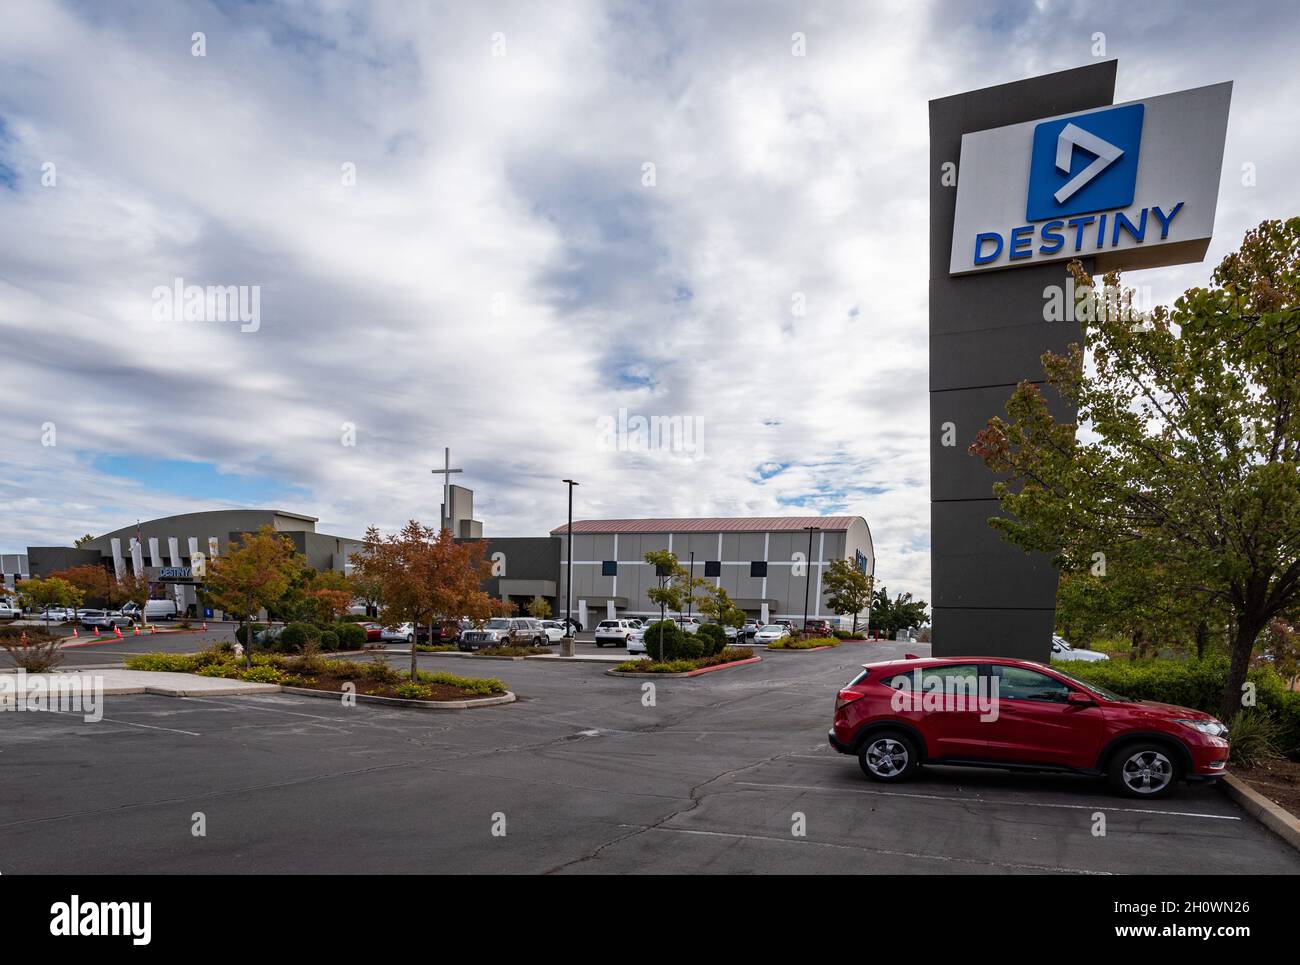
pixel 1190 462
pixel 719 607
pixel 41 594
pixel 539 608
pixel 257 574
pixel 675 588
pixel 900 613
pixel 849 589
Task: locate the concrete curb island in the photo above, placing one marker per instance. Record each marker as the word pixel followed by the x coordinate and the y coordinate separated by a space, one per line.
pixel 687 673
pixel 507 698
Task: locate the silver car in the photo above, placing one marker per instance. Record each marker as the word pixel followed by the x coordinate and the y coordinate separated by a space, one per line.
pixel 505 632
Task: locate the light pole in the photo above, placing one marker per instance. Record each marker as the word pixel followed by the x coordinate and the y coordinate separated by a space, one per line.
pixel 566 645
pixel 808 583
pixel 690 589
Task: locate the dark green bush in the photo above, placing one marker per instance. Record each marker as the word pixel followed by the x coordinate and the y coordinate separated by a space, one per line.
pixel 677 644
pixel 714 638
pixel 329 640
pixel 294 636
pixel 1193 683
pixel 350 636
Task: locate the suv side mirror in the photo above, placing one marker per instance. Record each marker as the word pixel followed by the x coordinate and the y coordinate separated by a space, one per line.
pixel 1080 698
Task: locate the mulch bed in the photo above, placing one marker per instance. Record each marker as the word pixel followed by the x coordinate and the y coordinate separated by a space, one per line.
pixel 372 688
pixel 1279 781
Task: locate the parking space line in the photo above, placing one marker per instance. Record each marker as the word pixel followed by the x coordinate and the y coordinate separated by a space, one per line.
pixel 984 863
pixel 126 723
pixel 967 801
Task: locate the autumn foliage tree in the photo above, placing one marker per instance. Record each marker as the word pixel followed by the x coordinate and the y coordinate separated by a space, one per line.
pixel 426 577
pixel 255 575
pixel 1189 471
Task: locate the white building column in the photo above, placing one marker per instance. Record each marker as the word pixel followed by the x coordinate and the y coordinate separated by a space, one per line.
pixel 119 564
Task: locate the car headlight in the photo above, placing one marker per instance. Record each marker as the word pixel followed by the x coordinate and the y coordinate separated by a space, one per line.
pixel 1211 728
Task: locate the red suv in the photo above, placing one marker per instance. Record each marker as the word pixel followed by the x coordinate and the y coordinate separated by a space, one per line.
pixel 1013 714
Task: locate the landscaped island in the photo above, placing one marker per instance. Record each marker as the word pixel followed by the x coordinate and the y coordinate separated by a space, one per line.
pixel 311 672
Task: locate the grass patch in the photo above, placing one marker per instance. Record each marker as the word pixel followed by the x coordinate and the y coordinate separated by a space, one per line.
pixel 790 643
pixel 434 647
pixel 511 651
pixel 729 655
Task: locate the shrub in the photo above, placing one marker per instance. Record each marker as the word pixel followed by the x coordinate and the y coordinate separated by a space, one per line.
pixel 380 673
pixel 795 643
pixel 350 636
pixel 1254 738
pixel 241 634
pixel 230 671
pixel 481 686
pixel 354 618
pixel 163 662
pixel 261 675
pixel 329 640
pixel 677 645
pixel 413 691
pixel 41 651
pixel 1193 683
pixel 714 638
pixel 293 637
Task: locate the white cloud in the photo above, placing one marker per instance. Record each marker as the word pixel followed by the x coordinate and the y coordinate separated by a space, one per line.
pixel 498 279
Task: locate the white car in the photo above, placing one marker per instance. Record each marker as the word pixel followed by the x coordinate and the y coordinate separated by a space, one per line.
pixel 402 633
pixel 636 641
pixel 554 630
pixel 1063 651
pixel 688 624
pixel 771 633
pixel 616 633
pixel 9 610
pixel 55 614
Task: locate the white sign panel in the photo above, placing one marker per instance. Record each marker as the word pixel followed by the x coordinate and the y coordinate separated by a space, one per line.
pixel 1133 185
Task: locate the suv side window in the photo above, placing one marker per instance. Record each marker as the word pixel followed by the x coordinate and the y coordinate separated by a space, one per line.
pixel 1017 683
pixel 967 673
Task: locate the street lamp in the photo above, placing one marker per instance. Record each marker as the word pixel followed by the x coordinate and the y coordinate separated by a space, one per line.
pixel 566 645
pixel 690 600
pixel 808 583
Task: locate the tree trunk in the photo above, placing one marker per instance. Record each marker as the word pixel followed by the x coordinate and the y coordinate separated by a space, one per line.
pixel 1137 645
pixel 1202 638
pixel 1242 645
pixel 415 632
pixel 248 643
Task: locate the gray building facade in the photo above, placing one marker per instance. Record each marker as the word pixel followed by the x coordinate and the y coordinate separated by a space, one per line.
pixel 764 563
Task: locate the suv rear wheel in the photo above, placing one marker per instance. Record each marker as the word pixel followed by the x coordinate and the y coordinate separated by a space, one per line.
pixel 1143 769
pixel 888 756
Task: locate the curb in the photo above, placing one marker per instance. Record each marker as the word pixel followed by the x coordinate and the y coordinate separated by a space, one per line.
pixel 1273 816
pixel 688 673
pixel 507 698
pixel 798 649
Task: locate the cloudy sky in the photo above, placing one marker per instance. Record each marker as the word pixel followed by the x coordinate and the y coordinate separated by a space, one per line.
pixel 457 241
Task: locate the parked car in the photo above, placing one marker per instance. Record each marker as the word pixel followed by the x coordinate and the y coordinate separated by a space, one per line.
pixel 402 633
pixel 751 627
pixel 374 631
pixel 55 614
pixel 1063 651
pixel 689 624
pixel 771 633
pixel 573 622
pixel 555 631
pixel 505 632
pixel 104 619
pixel 1036 718
pixel 820 627
pixel 636 641
pixel 788 624
pixel 9 610
pixel 614 633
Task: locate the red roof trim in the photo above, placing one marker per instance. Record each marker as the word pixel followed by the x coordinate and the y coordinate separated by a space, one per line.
pixel 707 524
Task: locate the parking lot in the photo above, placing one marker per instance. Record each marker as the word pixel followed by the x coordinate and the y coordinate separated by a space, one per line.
pixel 719 774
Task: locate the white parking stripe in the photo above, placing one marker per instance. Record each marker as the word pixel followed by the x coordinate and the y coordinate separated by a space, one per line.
pixel 984 863
pixel 126 723
pixel 965 801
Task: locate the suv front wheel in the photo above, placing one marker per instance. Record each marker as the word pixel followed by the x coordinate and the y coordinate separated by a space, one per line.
pixel 889 756
pixel 1143 769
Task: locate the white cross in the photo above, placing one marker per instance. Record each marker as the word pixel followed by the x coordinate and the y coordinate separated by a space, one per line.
pixel 446 472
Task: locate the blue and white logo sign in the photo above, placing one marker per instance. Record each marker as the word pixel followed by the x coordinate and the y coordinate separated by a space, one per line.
pixel 1129 186
pixel 1085 163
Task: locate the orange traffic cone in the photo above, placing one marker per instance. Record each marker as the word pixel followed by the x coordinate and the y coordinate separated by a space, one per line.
pixel 24 640
pixel 136 629
pixel 74 633
pixel 205 626
pixel 117 632
pixel 152 628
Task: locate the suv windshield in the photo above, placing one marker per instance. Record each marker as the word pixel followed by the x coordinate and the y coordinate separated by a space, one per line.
pixel 1100 691
pixel 497 625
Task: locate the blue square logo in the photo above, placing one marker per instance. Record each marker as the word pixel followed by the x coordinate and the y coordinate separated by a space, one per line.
pixel 1084 163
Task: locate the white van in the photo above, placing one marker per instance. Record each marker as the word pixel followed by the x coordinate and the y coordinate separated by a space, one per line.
pixel 153 610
